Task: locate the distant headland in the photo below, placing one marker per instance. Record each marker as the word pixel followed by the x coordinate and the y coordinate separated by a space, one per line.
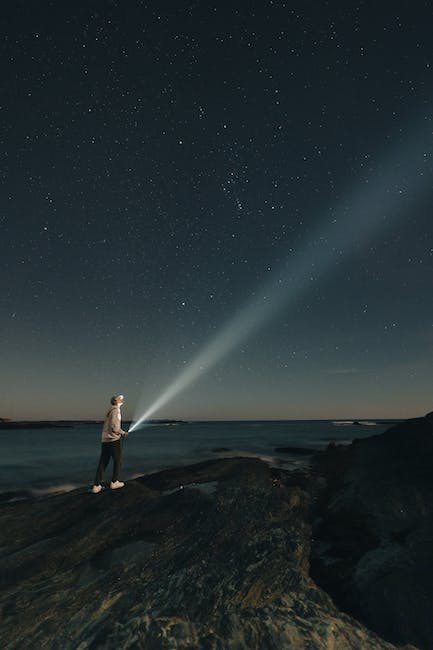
pixel 6 423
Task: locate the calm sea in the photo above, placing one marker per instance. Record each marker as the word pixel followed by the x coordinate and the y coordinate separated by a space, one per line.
pixel 64 458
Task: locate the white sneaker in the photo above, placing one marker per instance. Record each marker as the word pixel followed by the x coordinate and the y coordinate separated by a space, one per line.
pixel 116 485
pixel 96 489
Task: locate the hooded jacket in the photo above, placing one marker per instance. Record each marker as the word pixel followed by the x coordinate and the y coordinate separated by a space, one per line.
pixel 112 429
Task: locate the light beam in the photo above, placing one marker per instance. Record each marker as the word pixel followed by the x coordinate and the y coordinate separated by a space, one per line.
pixel 375 205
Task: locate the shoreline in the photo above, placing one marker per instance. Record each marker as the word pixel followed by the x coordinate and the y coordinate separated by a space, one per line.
pixel 291 458
pixel 48 470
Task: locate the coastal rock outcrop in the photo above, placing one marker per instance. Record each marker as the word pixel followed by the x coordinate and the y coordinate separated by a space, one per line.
pixel 211 556
pixel 373 533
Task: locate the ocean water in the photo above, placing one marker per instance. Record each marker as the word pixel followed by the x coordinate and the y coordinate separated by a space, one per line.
pixel 59 459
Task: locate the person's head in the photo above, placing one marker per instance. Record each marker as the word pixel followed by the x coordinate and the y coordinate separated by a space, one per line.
pixel 117 400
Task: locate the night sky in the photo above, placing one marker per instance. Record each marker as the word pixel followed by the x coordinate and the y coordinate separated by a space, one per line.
pixel 161 162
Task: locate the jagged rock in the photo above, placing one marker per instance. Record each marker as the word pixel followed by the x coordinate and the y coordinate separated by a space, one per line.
pixel 156 565
pixel 374 531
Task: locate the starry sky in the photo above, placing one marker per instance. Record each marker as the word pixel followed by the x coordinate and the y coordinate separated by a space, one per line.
pixel 160 161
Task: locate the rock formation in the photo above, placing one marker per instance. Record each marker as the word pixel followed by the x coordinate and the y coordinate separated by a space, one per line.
pixel 373 533
pixel 231 553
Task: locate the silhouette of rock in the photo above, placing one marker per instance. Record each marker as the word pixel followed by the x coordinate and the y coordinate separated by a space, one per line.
pixel 374 531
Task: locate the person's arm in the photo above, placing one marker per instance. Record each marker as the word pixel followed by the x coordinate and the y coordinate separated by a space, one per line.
pixel 115 423
pixel 122 432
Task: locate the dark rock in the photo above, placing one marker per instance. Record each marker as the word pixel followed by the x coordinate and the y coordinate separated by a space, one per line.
pixel 15 495
pixel 140 568
pixel 374 530
pixel 296 451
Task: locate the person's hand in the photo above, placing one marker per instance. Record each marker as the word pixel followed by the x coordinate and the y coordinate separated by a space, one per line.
pixel 125 433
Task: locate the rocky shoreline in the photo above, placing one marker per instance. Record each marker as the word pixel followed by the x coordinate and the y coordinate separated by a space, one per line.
pixel 232 553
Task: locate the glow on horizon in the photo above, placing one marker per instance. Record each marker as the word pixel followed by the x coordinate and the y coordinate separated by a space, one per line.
pixel 372 207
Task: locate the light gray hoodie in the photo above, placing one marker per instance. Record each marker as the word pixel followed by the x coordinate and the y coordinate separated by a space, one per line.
pixel 112 430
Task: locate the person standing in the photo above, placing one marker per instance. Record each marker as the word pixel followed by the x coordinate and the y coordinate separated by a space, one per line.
pixel 111 447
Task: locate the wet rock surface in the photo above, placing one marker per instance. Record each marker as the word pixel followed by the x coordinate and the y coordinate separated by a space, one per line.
pixel 373 532
pixel 211 556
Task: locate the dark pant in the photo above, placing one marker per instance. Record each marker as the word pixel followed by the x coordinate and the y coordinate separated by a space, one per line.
pixel 109 450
